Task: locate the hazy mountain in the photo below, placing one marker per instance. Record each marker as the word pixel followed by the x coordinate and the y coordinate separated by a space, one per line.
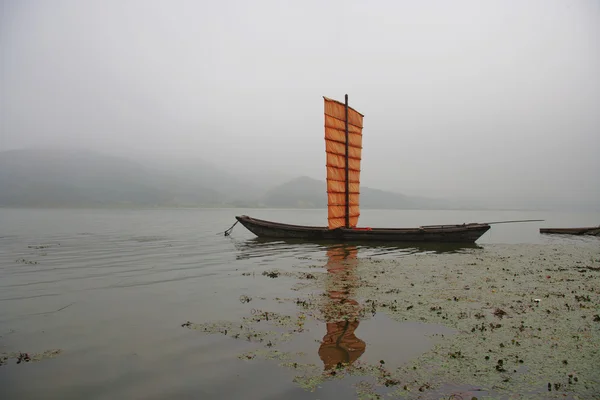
pixel 306 192
pixel 77 178
pixel 84 178
pixel 193 172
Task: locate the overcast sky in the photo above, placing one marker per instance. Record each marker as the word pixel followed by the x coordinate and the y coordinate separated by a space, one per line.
pixel 461 98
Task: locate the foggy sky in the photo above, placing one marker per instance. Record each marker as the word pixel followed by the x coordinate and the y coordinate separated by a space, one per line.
pixel 461 98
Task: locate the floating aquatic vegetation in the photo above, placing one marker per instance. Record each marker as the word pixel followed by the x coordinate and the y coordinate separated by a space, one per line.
pixel 366 391
pixel 499 313
pixel 522 329
pixel 275 273
pixel 245 299
pixel 525 348
pixel 272 274
pixel 279 327
pixel 21 357
pixel 306 275
pixel 25 261
pixel 266 354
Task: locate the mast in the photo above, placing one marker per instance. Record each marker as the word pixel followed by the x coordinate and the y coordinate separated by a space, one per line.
pixel 347 184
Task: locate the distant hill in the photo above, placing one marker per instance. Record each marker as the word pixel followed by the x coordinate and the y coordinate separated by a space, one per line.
pixel 305 192
pixel 69 178
pixel 82 178
pixel 198 174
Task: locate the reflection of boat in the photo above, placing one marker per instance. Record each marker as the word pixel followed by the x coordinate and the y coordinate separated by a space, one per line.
pixel 343 146
pixel 261 247
pixel 342 313
pixel 590 231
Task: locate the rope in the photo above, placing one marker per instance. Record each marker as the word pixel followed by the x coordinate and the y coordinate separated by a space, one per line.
pixel 228 231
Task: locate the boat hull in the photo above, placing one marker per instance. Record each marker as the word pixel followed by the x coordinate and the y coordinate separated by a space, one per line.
pixel 591 231
pixel 466 233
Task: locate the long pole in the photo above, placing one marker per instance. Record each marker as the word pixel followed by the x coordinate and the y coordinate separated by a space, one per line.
pixel 495 222
pixel 347 183
pixel 512 222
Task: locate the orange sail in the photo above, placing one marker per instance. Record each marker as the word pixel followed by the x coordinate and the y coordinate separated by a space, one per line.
pixel 335 147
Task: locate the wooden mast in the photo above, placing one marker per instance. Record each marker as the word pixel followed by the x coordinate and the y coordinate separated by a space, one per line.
pixel 347 184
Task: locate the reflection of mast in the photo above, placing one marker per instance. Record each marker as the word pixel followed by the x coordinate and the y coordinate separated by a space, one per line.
pixel 340 344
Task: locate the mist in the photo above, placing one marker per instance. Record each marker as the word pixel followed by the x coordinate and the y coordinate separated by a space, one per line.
pixel 495 100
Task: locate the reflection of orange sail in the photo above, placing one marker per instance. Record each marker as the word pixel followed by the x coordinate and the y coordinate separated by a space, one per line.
pixel 335 147
pixel 340 344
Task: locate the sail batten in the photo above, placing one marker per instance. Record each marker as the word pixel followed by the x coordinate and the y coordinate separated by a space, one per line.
pixel 338 179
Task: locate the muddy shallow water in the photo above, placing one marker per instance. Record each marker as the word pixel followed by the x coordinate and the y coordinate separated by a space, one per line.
pixel 144 305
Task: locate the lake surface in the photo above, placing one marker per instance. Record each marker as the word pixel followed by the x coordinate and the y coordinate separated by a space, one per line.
pixel 111 288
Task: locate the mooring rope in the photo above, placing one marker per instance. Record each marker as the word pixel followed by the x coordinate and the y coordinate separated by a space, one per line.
pixel 228 231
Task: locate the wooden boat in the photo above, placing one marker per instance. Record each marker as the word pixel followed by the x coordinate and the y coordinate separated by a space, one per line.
pixel 343 146
pixel 590 231
pixel 466 233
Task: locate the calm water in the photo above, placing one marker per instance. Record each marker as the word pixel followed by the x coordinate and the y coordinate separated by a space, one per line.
pixel 111 288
